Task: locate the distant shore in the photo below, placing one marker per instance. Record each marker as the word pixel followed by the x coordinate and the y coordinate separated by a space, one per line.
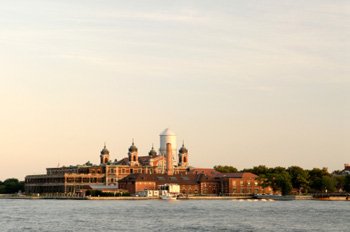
pixel 261 197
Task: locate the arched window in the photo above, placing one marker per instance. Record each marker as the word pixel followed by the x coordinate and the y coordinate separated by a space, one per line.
pixel 134 158
pixel 185 159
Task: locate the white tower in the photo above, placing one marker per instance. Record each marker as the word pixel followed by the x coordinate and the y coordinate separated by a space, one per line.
pixel 167 136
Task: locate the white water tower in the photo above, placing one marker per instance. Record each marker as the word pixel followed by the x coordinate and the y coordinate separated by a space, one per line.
pixel 167 136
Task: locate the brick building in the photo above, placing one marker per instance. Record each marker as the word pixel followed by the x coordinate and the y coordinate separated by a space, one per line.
pixel 108 172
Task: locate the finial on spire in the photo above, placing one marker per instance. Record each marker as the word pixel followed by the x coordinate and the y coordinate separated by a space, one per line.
pixel 132 141
pixel 183 143
pixel 105 144
pixel 152 147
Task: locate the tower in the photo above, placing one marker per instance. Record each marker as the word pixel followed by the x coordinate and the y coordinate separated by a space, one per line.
pixel 152 154
pixel 133 155
pixel 167 136
pixel 169 160
pixel 104 155
pixel 183 156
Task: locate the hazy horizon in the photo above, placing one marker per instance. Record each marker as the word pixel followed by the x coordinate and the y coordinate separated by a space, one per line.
pixel 242 83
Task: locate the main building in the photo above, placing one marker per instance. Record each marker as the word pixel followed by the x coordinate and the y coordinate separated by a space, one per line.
pixel 136 173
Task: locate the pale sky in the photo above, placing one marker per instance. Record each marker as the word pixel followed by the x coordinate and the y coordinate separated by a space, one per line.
pixel 243 83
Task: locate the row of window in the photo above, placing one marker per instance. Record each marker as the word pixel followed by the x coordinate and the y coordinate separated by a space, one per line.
pixel 241 183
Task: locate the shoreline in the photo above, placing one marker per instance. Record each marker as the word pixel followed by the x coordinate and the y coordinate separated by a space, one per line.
pixel 241 198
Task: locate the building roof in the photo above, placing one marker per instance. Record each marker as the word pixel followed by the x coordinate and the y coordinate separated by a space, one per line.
pixel 237 175
pixel 206 171
pixel 167 131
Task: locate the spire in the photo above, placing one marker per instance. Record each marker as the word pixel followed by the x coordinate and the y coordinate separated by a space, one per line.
pixel 105 145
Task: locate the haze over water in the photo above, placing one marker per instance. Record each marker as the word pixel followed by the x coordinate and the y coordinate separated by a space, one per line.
pixel 184 215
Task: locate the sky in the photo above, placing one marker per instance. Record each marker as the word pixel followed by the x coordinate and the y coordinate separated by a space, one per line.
pixel 242 83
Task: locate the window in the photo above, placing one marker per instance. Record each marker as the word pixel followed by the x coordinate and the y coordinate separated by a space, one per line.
pixel 131 170
pixel 234 190
pixel 242 190
pixel 172 178
pixel 256 191
pixel 242 183
pixel 138 170
pixel 160 178
pixel 205 190
pixel 214 191
pixel 195 191
pixel 189 191
pixel 234 183
pixel 123 170
pixel 249 183
pixel 185 178
pixel 249 191
pixel 184 191
pixel 256 183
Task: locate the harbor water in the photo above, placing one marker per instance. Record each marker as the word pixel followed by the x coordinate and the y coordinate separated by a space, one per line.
pixel 182 215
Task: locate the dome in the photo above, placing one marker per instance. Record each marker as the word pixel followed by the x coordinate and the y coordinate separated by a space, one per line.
pixel 132 148
pixel 183 149
pixel 105 151
pixel 167 131
pixel 152 152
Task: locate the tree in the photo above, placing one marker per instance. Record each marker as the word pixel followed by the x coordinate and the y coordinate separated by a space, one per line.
pixel 340 182
pixel 294 171
pixel 347 183
pixel 258 170
pixel 302 181
pixel 277 170
pixel 282 182
pixel 264 182
pixel 328 184
pixel 11 185
pixel 316 175
pixel 225 169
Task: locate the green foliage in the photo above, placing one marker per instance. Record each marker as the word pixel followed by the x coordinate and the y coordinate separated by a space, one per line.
pixel 347 183
pixel 328 184
pixel 340 182
pixel 258 170
pixel 225 169
pixel 11 185
pixel 316 175
pixel 283 181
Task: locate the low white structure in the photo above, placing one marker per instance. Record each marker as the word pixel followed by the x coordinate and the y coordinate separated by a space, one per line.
pixel 148 193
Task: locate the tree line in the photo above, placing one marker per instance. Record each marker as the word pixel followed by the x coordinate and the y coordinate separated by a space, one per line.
pixel 285 179
pixel 11 185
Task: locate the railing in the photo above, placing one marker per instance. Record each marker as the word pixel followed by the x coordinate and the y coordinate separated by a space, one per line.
pixel 341 194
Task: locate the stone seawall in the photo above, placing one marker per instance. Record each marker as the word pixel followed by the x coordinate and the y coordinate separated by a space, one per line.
pixel 286 198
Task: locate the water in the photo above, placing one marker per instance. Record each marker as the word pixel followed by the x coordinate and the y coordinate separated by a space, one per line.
pixel 185 215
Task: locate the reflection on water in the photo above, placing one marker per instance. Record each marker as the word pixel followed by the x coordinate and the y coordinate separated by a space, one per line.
pixel 184 215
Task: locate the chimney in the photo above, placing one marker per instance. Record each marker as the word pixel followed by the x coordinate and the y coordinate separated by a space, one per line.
pixel 346 165
pixel 169 162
